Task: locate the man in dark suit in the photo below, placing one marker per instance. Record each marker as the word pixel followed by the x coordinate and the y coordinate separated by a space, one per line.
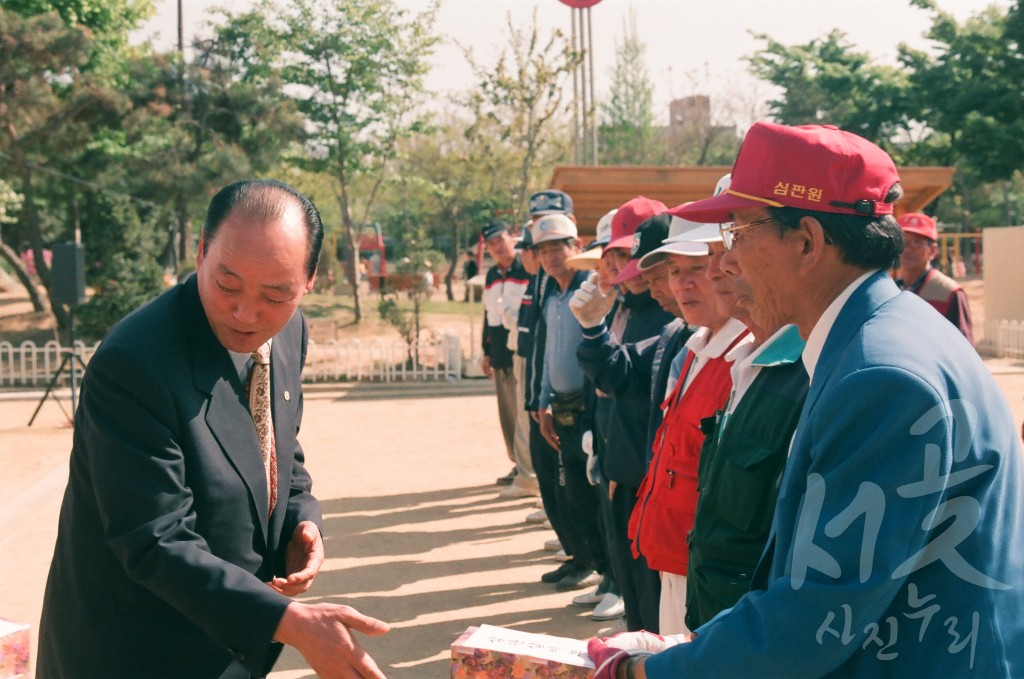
pixel 182 534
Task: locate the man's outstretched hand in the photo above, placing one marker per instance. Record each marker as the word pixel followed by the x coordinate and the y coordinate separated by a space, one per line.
pixel 322 633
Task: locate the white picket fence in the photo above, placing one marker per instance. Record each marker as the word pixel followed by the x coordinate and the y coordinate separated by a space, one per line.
pixel 1003 339
pixel 373 360
pixel 29 365
pixel 376 360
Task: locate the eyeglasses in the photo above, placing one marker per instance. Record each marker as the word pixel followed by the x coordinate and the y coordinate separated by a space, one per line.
pixel 728 232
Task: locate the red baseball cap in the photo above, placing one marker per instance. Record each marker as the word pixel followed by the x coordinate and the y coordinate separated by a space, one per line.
pixel 813 167
pixel 628 219
pixel 919 223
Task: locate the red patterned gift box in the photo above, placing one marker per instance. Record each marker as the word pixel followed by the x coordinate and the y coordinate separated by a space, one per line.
pixel 14 650
pixel 489 652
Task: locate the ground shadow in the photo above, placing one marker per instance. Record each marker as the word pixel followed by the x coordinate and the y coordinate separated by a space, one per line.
pixel 392 552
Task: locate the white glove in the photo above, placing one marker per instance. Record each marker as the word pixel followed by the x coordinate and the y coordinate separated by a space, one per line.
pixel 647 641
pixel 587 444
pixel 509 316
pixel 589 305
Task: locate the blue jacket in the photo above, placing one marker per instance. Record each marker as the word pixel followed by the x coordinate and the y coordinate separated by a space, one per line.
pixel 897 545
pixel 531 344
pixel 623 453
pixel 634 370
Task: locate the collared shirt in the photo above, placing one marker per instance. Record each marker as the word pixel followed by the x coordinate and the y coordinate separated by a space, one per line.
pixel 816 340
pixel 705 346
pixel 243 362
pixel 783 347
pixel 562 372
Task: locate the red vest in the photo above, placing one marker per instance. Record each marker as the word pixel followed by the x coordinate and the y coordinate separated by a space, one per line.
pixel 667 498
pixel 937 289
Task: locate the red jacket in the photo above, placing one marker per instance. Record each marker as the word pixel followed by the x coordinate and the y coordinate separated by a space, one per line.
pixel 667 498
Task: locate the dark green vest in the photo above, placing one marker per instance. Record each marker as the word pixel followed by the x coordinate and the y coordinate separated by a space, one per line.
pixel 738 482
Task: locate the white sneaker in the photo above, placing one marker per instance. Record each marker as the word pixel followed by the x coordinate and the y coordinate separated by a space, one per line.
pixel 589 599
pixel 560 555
pixel 539 516
pixel 515 491
pixel 610 608
pixel 552 545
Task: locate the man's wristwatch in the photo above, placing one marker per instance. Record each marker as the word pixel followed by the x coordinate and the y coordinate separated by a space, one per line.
pixel 628 669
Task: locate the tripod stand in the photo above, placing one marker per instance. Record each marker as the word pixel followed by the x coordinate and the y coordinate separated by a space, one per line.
pixel 67 363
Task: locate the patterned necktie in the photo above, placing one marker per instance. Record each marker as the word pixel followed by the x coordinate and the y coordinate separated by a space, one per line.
pixel 259 406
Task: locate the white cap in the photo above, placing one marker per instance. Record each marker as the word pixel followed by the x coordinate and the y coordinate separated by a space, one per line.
pixel 552 227
pixel 722 185
pixel 680 242
pixel 686 237
pixel 604 227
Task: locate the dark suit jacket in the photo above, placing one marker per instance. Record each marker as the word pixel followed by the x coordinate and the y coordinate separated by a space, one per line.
pixel 164 542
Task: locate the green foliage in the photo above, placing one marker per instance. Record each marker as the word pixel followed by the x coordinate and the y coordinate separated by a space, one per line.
pixel 827 82
pixel 520 102
pixel 123 269
pixel 448 183
pixel 10 203
pixel 359 91
pixel 627 127
pixel 958 103
pixel 39 57
pixel 392 313
pixel 416 270
pixel 109 22
pixel 970 91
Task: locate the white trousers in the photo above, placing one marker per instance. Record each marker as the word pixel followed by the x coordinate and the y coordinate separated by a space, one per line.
pixel 672 611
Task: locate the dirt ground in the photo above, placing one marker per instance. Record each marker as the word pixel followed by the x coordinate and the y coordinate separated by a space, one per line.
pixel 415 532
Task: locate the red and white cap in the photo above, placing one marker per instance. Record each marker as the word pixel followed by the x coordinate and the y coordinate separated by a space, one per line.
pixel 628 219
pixel 919 223
pixel 812 167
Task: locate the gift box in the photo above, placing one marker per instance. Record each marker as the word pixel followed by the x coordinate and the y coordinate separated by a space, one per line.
pixel 14 650
pixel 489 652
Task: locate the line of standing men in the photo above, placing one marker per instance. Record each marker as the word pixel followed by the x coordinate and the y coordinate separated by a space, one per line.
pixel 740 544
pixel 892 541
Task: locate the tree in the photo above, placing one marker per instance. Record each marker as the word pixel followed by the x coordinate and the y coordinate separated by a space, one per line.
pixel 970 91
pixel 47 104
pixel 521 98
pixel 627 128
pixel 450 183
pixel 10 205
pixel 826 82
pixel 416 267
pixel 956 104
pixel 194 127
pixel 110 22
pixel 128 272
pixel 355 70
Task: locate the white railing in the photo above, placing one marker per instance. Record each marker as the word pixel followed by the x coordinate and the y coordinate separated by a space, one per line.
pixel 1003 339
pixel 378 360
pixel 373 360
pixel 31 365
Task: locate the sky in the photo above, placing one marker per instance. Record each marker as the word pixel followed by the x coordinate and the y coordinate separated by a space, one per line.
pixel 690 47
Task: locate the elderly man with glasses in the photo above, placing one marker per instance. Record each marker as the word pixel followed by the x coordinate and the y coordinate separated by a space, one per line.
pixel 895 548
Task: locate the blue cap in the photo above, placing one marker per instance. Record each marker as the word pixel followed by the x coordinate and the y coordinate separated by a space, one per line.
pixel 550 202
pixel 493 228
pixel 526 242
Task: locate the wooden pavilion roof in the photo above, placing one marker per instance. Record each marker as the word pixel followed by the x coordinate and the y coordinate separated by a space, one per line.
pixel 597 189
